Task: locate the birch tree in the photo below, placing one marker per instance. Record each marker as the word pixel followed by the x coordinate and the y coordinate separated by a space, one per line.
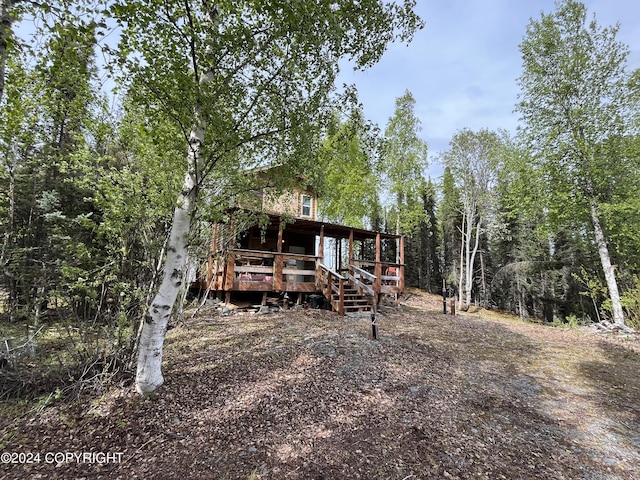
pixel 576 97
pixel 402 166
pixel 347 158
pixel 471 161
pixel 248 83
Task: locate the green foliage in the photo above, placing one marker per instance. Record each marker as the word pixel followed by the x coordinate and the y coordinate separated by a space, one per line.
pixel 259 73
pixel 573 321
pixel 89 196
pixel 631 303
pixel 49 220
pixel 422 258
pixel 580 108
pixel 91 191
pixel 577 105
pixel 450 217
pixel 402 165
pixel 472 163
pixel 350 187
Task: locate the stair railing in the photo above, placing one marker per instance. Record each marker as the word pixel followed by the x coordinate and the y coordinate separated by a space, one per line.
pixel 363 280
pixel 329 279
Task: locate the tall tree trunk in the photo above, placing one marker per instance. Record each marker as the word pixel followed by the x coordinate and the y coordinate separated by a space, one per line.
pixel 462 250
pixel 609 271
pixel 149 371
pixel 467 259
pixel 471 260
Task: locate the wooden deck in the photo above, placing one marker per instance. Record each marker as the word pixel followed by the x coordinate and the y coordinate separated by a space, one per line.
pixel 355 288
pixel 262 259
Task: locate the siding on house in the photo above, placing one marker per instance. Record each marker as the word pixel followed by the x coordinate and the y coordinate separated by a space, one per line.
pixel 291 203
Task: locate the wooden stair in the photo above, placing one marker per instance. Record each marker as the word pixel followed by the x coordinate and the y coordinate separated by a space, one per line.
pixel 347 294
pixel 354 302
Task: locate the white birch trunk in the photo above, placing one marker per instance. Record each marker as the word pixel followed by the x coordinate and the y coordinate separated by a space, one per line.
pixel 471 260
pixel 149 370
pixel 461 276
pixel 467 255
pixel 609 271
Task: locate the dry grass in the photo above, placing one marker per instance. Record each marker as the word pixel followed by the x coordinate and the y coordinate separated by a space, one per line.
pixel 309 395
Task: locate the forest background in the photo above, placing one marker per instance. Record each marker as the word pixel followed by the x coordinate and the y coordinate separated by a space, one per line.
pixel 94 131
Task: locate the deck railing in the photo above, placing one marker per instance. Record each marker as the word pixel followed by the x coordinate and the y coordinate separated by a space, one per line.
pixel 389 276
pixel 364 281
pixel 264 271
pixel 256 270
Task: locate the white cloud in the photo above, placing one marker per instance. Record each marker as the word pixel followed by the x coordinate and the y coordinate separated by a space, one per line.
pixel 462 68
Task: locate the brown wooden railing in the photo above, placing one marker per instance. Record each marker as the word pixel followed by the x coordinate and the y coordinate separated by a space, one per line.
pixel 364 281
pixel 333 283
pixel 389 277
pixel 264 271
pixel 256 270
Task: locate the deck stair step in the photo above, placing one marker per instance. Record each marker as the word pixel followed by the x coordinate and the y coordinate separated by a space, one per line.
pixel 353 300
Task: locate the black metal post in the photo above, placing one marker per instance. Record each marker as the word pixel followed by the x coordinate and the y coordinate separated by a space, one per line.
pixel 374 326
pixel 444 297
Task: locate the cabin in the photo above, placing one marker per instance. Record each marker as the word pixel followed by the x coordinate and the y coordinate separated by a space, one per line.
pixel 294 256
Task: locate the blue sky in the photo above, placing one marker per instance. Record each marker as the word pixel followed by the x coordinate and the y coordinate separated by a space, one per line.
pixel 462 67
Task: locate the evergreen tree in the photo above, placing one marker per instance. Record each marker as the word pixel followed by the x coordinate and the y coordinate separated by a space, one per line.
pixel 450 217
pixel 430 274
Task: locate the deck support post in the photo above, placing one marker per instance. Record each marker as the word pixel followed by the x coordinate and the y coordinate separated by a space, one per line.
pixel 401 262
pixel 211 271
pixel 278 265
pixel 229 276
pixel 351 247
pixel 320 259
pixel 377 284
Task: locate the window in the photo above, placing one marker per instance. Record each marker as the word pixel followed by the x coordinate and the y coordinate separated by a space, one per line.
pixel 306 206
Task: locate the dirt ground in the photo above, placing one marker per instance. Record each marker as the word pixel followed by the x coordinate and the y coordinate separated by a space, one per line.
pixel 310 395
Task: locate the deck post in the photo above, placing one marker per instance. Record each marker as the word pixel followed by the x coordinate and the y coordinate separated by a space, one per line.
pixel 377 284
pixel 401 261
pixel 229 276
pixel 212 250
pixel 341 297
pixel 216 266
pixel 278 264
pixel 320 259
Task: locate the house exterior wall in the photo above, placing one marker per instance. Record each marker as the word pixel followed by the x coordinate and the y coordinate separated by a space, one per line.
pixel 299 204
